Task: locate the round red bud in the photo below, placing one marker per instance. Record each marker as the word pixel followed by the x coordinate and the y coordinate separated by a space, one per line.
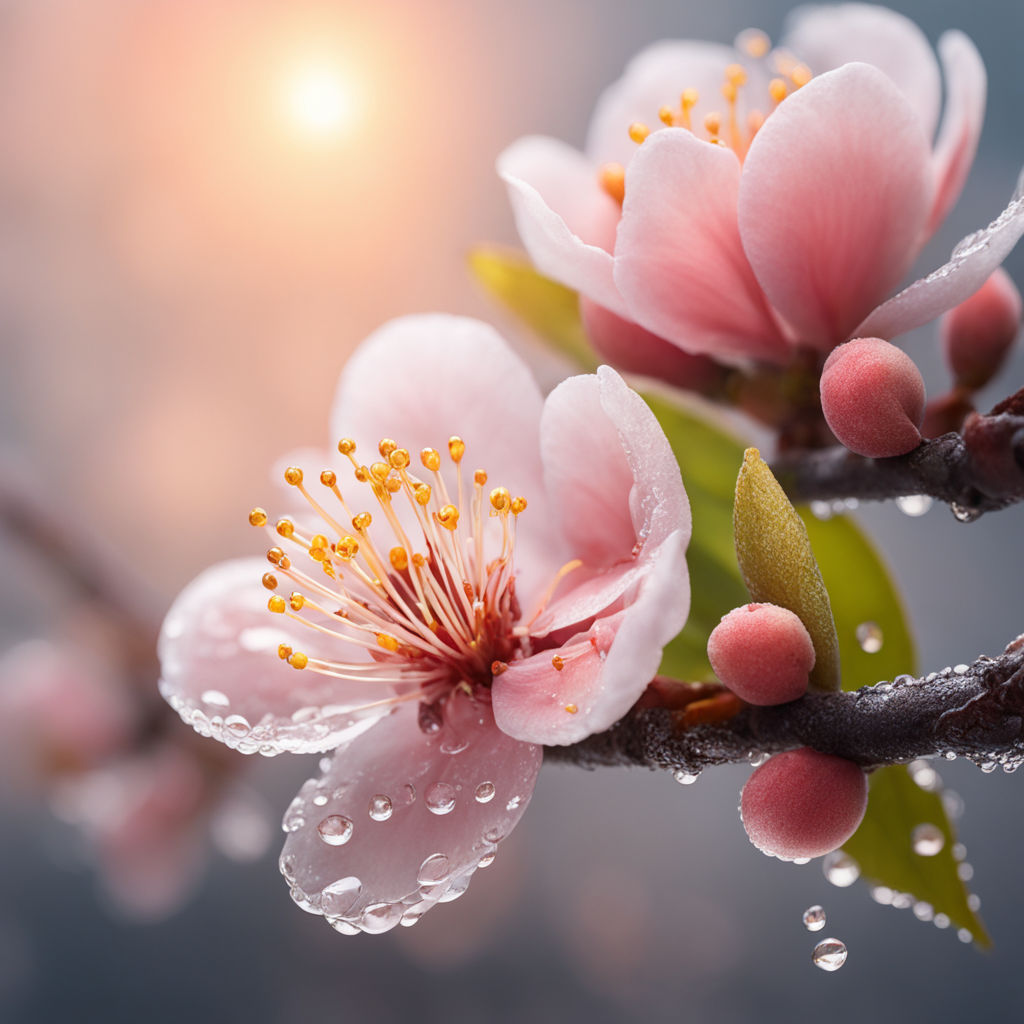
pixel 763 653
pixel 977 334
pixel 872 396
pixel 803 803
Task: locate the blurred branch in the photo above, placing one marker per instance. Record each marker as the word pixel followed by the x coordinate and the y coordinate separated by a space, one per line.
pixel 975 711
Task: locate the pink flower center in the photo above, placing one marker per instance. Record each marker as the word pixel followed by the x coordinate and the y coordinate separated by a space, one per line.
pixel 433 609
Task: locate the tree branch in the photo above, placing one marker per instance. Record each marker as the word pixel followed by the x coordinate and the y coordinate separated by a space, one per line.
pixel 978 470
pixel 976 712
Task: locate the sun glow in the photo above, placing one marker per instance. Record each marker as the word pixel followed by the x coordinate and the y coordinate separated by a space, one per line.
pixel 318 100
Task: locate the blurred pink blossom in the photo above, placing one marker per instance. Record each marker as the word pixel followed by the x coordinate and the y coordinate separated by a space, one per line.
pixel 440 650
pixel 782 201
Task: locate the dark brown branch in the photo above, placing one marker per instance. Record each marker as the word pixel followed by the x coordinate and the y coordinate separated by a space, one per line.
pixel 978 470
pixel 975 711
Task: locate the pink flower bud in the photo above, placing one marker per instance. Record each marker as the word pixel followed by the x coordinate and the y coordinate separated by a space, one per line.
pixel 872 396
pixel 803 803
pixel 977 334
pixel 763 653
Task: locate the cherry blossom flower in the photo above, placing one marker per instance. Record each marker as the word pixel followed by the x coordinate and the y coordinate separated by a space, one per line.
pixel 444 637
pixel 744 202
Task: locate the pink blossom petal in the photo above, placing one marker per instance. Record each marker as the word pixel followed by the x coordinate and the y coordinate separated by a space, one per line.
pixel 605 670
pixel 679 263
pixel 585 593
pixel 836 190
pixel 565 219
pixel 966 86
pixel 828 36
pixel 401 819
pixel 221 672
pixel 655 78
pixel 969 266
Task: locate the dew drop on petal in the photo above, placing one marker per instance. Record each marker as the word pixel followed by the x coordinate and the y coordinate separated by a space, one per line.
pixel 339 897
pixel 487 859
pixel 439 798
pixel 335 830
pixel 513 803
pixel 840 869
pixel 914 505
pixel 484 793
pixel 814 918
pixel 869 637
pixel 927 840
pixel 320 800
pixel 380 807
pixel 829 954
pixel 433 870
pixel 215 699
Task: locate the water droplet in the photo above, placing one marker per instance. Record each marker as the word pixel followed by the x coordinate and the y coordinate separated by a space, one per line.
pixel 380 807
pixel 923 911
pixel 320 800
pixel 961 669
pixel 800 861
pixel 924 775
pixel 941 921
pixel 237 726
pixel 814 918
pixel 882 894
pixel 829 955
pixel 959 851
pixel 484 792
pixel 286 865
pixel 433 870
pixel 342 926
pixel 902 900
pixel 487 859
pixel 988 767
pixel 965 871
pixel 953 803
pixel 439 797
pixel 686 778
pixel 513 803
pixel 324 765
pixel 914 504
pixel 927 839
pixel 821 510
pixel 840 868
pixel 335 830
pixel 453 744
pixel 215 699
pixel 964 936
pixel 964 514
pixel 381 917
pixel 493 835
pixel 338 898
pixel 974 902
pixel 294 818
pixel 869 637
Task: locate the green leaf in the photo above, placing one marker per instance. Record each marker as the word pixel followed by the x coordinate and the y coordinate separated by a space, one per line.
pixel 883 848
pixel 549 309
pixel 778 564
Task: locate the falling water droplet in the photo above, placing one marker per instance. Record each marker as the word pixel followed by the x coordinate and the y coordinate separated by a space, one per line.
pixel 335 830
pixel 927 839
pixel 814 918
pixel 840 869
pixel 484 793
pixel 829 955
pixel 686 778
pixel 914 505
pixel 869 637
pixel 963 514
pixel 380 807
pixel 433 870
pixel 439 798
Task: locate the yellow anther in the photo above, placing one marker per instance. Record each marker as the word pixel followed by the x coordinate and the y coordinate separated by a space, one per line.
pixel 448 517
pixel 328 478
pixel 571 708
pixel 319 541
pixel 386 447
pixel 612 178
pixel 392 485
pixel 456 448
pixel 346 446
pixel 389 643
pixel 756 43
pixel 518 505
pixel 800 75
pixel 347 548
pixel 419 561
pixel 275 555
pixel 361 474
pixel 558 663
pixel 777 90
pixel 284 652
pixel 501 500
pixel 479 477
pixel 399 559
pixel 399 458
pixel 667 116
pixel 270 581
pixel 297 601
pixel 422 493
pixel 431 459
pixel 638 132
pixel 689 99
pixel 361 521
pixel 713 125
pixel 318 554
pixel 257 517
pixel 277 604
pixel 736 75
pixel 285 527
pixel 293 476
pixel 379 471
pixel 298 660
pixel 285 563
pixel 729 92
pixel 497 667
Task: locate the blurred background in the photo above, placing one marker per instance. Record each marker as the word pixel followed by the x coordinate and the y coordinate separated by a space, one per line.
pixel 204 207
